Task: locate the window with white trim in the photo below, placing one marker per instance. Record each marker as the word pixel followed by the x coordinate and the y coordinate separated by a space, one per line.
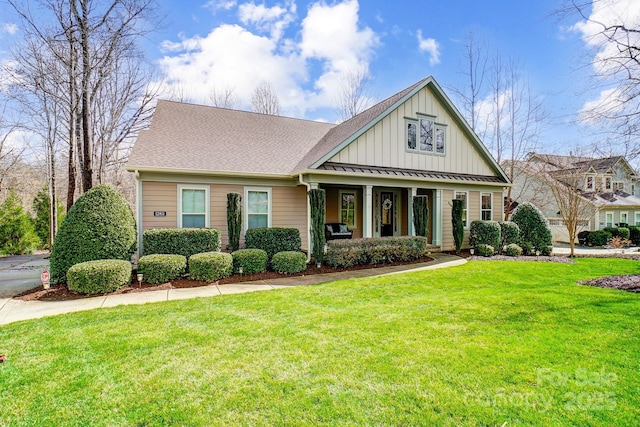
pixel 608 219
pixel 607 183
pixel 347 205
pixel 424 135
pixel 589 183
pixel 618 185
pixel 462 195
pixel 637 218
pixel 193 206
pixel 624 217
pixel 486 202
pixel 257 207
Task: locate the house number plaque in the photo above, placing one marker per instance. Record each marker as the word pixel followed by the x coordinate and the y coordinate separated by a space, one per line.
pixel 159 213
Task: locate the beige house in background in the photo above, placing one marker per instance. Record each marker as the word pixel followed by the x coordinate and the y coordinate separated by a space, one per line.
pixel 413 143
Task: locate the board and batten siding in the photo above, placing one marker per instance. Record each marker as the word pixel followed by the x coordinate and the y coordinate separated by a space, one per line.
pixel 384 144
pixel 289 207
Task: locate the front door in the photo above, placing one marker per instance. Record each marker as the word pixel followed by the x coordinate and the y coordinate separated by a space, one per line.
pixel 387 213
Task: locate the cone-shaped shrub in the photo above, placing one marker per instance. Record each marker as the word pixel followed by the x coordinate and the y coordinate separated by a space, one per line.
pixel 234 220
pixel 317 200
pixel 100 225
pixel 458 224
pixel 421 215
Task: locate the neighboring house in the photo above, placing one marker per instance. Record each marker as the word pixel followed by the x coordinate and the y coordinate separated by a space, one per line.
pixel 609 184
pixel 413 143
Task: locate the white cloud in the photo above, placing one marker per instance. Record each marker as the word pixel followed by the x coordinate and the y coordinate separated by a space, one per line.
pixel 608 103
pixel 214 5
pixel 240 56
pixel 431 46
pixel 9 28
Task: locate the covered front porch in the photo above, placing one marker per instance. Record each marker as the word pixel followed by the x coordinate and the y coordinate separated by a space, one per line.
pixel 381 211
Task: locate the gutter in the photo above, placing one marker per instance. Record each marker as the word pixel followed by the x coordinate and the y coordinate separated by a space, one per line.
pixel 306 184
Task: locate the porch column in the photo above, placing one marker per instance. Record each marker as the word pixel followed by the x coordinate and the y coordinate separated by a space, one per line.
pixel 367 210
pixel 437 218
pixel 413 191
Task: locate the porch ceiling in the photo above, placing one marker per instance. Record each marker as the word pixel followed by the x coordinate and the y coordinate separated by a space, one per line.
pixel 415 173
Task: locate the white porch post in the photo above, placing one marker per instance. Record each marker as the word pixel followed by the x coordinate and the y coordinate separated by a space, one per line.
pixel 413 191
pixel 367 210
pixel 437 218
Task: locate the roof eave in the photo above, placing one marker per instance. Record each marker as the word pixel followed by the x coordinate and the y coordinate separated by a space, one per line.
pixel 134 168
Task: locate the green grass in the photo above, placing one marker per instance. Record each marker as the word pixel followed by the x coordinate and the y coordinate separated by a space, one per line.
pixel 476 345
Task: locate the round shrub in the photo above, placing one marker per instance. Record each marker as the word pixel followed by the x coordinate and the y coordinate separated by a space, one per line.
pixel 251 260
pixel 289 262
pixel 210 266
pixel 509 233
pixel 484 250
pixel 100 225
pixel 546 251
pixel 622 232
pixel 534 228
pixel 598 238
pixel 99 277
pixel 512 250
pixel 273 240
pixel 160 268
pixel 484 232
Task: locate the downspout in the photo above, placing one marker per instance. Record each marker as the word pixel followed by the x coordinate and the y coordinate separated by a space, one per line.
pixel 308 217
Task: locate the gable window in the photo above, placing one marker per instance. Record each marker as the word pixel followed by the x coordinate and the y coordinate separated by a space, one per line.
pixel 485 206
pixel 426 135
pixel 607 183
pixel 462 195
pixel 348 207
pixel 617 185
pixel 633 189
pixel 589 183
pixel 257 207
pixel 193 206
pixel 412 128
pixel 440 139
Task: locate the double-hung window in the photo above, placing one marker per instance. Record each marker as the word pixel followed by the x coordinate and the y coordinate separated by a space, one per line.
pixel 485 206
pixel 624 218
pixel 257 207
pixel 462 195
pixel 637 218
pixel 348 207
pixel 193 206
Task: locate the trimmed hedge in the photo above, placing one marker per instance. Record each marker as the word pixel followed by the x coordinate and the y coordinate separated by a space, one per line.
pixel 509 233
pixel 599 237
pixel 512 250
pixel 484 232
pixel 634 234
pixel 534 228
pixel 99 277
pixel 210 266
pixel 484 250
pixel 374 250
pixel 251 260
pixel 273 240
pixel 289 262
pixel 180 241
pixel 622 232
pixel 99 225
pixel 160 268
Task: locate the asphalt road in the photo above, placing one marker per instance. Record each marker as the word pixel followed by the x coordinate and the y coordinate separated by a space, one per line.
pixel 20 273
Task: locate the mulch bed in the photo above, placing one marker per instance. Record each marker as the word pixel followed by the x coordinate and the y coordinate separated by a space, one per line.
pixel 62 293
pixel 629 283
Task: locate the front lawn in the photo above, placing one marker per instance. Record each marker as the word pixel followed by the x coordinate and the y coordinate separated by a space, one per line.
pixel 478 345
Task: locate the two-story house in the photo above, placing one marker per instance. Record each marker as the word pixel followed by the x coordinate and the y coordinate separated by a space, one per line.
pixel 610 184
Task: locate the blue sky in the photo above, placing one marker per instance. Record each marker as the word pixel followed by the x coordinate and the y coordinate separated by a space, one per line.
pixel 302 49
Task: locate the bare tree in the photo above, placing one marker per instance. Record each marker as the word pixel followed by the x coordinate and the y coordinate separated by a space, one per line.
pixel 613 37
pixel 9 155
pixel 353 93
pixel 475 71
pixel 265 100
pixel 224 98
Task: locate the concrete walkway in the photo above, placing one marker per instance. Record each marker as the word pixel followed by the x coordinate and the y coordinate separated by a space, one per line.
pixel 12 310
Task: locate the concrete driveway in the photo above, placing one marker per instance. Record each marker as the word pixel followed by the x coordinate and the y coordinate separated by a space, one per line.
pixel 20 273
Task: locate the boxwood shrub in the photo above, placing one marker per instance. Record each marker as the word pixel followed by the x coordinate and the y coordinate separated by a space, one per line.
pixel 622 232
pixel 534 228
pixel 273 240
pixel 160 268
pixel 509 233
pixel 210 266
pixel 484 233
pixel 374 250
pixel 289 262
pixel 484 250
pixel 99 225
pixel 180 241
pixel 512 250
pixel 598 237
pixel 251 260
pixel 99 276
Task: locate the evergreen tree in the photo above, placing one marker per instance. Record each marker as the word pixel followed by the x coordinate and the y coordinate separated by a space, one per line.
pixel 17 235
